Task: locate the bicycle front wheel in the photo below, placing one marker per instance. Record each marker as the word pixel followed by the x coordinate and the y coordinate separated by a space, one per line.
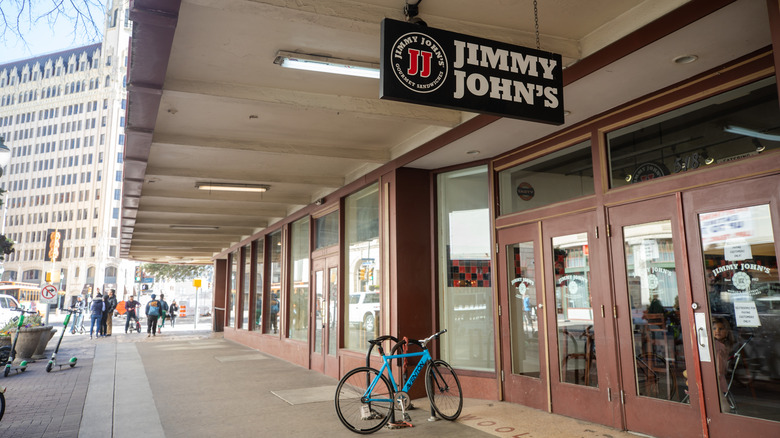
pixel 443 388
pixel 359 411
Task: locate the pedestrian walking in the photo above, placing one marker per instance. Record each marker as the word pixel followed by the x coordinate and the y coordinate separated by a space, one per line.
pixel 131 306
pixel 104 317
pixel 173 312
pixel 112 302
pixel 80 307
pixel 96 313
pixel 152 313
pixel 163 312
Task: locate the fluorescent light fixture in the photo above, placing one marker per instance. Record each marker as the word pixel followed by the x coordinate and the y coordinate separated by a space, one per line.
pixel 232 187
pixel 303 61
pixel 751 133
pixel 193 227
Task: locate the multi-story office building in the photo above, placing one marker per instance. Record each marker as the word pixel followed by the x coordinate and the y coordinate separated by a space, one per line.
pixel 62 115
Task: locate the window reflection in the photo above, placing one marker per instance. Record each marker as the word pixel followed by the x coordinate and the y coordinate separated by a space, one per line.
pixel 524 328
pixel 744 302
pixel 576 347
pixel 299 295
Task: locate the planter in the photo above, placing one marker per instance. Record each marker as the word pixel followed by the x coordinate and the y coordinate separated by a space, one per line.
pixel 45 338
pixel 29 337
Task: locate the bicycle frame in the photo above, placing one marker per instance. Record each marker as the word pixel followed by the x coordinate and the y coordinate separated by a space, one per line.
pixel 424 356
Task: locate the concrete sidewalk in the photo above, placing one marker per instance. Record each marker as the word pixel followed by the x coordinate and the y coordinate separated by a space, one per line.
pixel 188 383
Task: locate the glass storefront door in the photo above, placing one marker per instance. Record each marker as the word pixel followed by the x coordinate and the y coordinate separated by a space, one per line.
pixel 653 329
pixel 733 239
pixel 581 358
pixel 324 315
pixel 522 317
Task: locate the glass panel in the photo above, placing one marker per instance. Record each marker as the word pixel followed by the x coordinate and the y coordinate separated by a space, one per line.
pixel 299 296
pixel 258 321
pixel 465 289
pixel 326 230
pixel 333 294
pixel 576 347
pixel 744 302
pixel 521 278
pixel 319 278
pixel 659 359
pixel 362 313
pixel 556 177
pixel 734 125
pixel 233 286
pixel 275 250
pixel 245 287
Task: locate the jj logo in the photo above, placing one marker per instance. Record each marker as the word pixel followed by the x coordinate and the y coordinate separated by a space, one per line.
pixel 419 63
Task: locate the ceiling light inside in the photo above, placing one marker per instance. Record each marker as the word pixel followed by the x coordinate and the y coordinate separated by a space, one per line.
pixel 685 59
pixel 193 227
pixel 302 61
pixel 232 187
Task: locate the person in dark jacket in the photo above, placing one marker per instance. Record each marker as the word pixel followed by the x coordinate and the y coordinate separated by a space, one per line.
pixel 153 311
pixel 96 313
pixel 104 317
pixel 112 302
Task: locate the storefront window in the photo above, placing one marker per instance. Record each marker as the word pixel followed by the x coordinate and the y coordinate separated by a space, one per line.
pixel 299 295
pixel 275 250
pixel 326 230
pixel 362 313
pixel 521 275
pixel 465 290
pixel 245 287
pixel 737 124
pixel 744 301
pixel 258 320
pixel 659 358
pixel 576 347
pixel 234 256
pixel 561 175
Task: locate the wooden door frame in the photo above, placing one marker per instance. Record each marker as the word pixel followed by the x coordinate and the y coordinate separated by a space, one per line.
pixel 323 362
pixel 529 391
pixel 635 407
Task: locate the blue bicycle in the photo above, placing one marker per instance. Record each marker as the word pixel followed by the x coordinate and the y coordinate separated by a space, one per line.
pixel 365 397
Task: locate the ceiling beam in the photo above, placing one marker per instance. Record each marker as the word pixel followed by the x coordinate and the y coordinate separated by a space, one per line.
pixel 279 148
pixel 245 176
pixel 300 100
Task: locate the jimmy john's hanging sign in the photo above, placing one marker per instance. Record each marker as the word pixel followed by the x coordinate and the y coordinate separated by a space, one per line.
pixel 439 68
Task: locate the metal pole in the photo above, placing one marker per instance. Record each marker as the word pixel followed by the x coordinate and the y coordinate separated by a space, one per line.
pixel 196 308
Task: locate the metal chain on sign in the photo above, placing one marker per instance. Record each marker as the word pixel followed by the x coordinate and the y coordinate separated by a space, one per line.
pixel 536 25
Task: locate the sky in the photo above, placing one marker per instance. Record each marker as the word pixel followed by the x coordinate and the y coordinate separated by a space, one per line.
pixel 47 33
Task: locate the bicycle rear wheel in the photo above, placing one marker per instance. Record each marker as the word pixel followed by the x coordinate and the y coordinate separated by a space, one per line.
pixel 2 403
pixel 358 412
pixel 443 388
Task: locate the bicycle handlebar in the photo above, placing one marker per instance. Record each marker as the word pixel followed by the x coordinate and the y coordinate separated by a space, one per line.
pixel 425 341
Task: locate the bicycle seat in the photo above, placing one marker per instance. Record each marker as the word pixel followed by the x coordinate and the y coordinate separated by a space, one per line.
pixel 381 339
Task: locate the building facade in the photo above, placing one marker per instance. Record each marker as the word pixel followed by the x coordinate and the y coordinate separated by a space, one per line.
pixel 621 269
pixel 62 115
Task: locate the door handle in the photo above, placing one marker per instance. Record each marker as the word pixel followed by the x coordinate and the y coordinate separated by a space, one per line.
pixel 698 337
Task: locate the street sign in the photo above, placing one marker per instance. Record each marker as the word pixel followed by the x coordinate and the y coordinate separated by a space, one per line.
pixel 48 294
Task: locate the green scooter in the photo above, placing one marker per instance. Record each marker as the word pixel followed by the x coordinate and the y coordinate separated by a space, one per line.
pixel 9 365
pixel 53 360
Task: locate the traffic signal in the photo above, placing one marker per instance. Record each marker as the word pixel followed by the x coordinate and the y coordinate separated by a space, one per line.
pixel 138 274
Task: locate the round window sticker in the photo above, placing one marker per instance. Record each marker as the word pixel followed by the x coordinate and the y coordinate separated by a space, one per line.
pixel 574 288
pixel 419 62
pixel 652 282
pixel 525 191
pixel 741 281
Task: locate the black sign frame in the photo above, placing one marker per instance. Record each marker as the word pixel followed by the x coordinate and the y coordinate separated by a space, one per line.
pixel 435 67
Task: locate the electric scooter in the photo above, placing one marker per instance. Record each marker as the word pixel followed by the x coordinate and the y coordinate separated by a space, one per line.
pixel 53 360
pixel 9 365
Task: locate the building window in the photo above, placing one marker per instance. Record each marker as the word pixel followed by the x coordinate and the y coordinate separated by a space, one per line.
pixel 258 317
pixel 234 256
pixel 326 230
pixel 464 268
pixel 562 175
pixel 362 314
pixel 721 129
pixel 271 325
pixel 298 304
pixel 246 287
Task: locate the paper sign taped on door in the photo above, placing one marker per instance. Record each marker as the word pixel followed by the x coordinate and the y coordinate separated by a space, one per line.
pixel 746 314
